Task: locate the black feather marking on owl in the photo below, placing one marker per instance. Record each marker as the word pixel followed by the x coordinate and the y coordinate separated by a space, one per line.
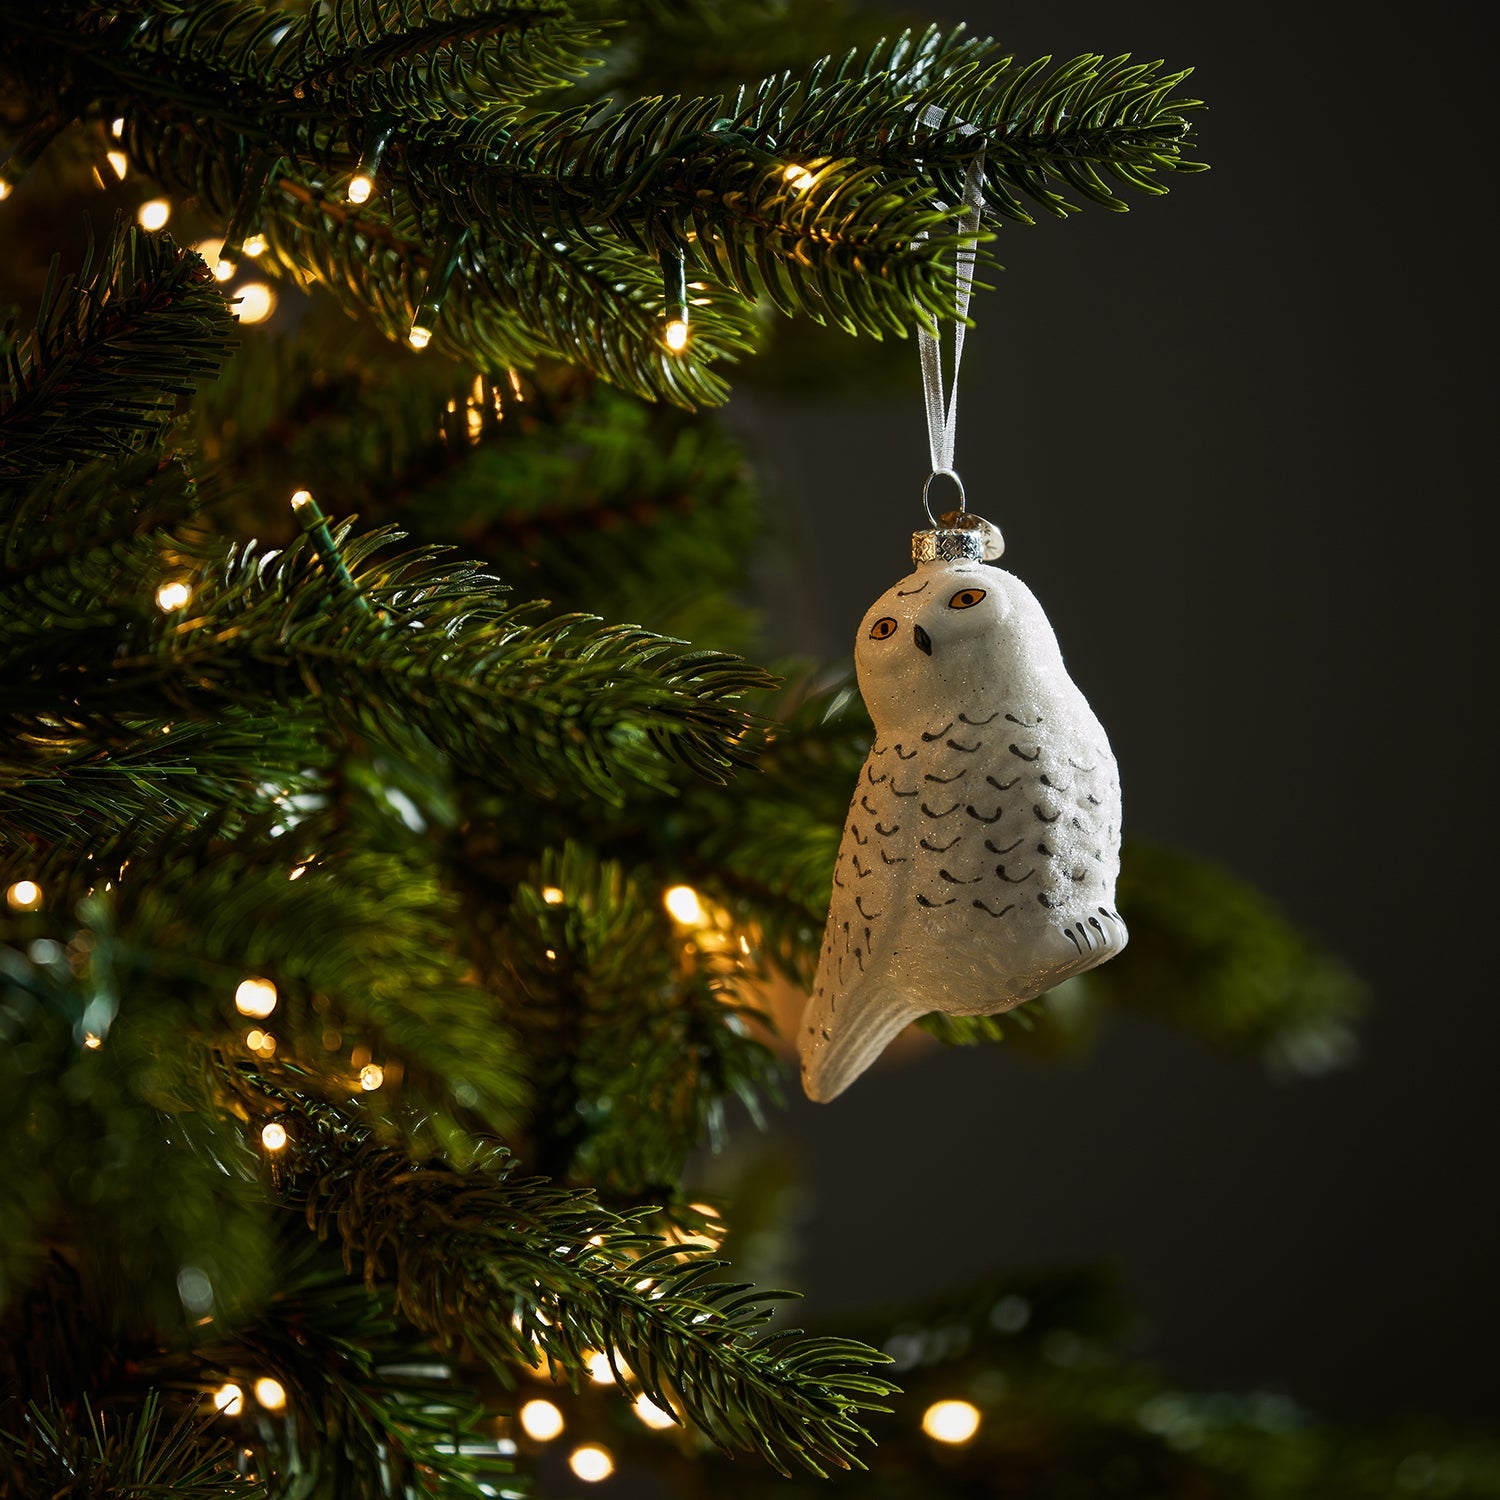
pixel 932 814
pixel 1077 875
pixel 1017 750
pixel 940 848
pixel 900 756
pixel 1041 849
pixel 864 802
pixel 1002 786
pixel 979 723
pixel 1018 879
pixel 839 883
pixel 962 880
pixel 867 937
pixel 1023 723
pixel 923 901
pixel 1094 923
pixel 907 593
pixel 1036 807
pixel 967 749
pixel 1077 767
pixel 860 870
pixel 979 817
pixel 1093 799
pixel 996 849
pixel 880 750
pixel 859 903
pixel 872 778
pixel 859 838
pixel 1046 780
pixel 1067 933
pixel 916 791
pixel 984 908
pixel 944 780
pixel 893 859
pixel 860 960
pixel 1046 900
pixel 936 734
pixel 885 832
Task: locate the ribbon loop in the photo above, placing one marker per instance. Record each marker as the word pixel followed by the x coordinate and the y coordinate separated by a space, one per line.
pixel 942 415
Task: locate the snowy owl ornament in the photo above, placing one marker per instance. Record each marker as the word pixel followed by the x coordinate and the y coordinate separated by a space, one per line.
pixel 978 863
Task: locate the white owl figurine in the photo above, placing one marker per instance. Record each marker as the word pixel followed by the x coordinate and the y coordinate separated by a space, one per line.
pixel 979 859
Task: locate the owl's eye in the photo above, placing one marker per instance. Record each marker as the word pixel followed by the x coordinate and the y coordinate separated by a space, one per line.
pixel 966 598
pixel 886 626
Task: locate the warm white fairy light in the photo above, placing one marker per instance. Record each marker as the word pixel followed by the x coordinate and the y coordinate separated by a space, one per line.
pixel 4 190
pixel 153 213
pixel 419 338
pixel 298 873
pixel 591 1463
pixel 652 1415
pixel 552 955
pixel 598 1368
pixel 798 177
pixel 676 335
pixel 172 595
pixel 255 246
pixel 117 127
pixel 371 1076
pixel 684 906
pixel 256 302
pixel 951 1421
pixel 229 1400
pixel 301 498
pixel 119 162
pixel 270 1393
pixel 273 1136
pixel 552 895
pixel 541 1420
pixel 255 1039
pixel 24 895
pixel 93 1041
pixel 255 997
pixel 360 187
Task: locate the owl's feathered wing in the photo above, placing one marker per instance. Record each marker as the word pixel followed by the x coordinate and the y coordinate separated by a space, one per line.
pixel 977 869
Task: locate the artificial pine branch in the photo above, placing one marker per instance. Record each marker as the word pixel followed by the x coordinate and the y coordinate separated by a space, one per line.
pixel 112 349
pixel 515 1268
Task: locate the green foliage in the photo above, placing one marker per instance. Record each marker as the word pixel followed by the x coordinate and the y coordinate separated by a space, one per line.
pixel 516 1269
pixel 812 190
pixel 140 325
pixel 138 1457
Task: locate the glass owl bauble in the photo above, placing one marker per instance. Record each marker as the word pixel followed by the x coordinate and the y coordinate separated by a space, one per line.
pixel 978 863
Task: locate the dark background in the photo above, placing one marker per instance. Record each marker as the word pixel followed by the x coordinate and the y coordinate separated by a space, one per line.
pixel 1238 441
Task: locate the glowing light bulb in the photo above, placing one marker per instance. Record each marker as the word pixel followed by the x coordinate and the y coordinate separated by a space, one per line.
pixel 683 904
pixel 541 1421
pixel 117 127
pixel 301 498
pixel 229 1400
pixel 798 177
pixel 359 189
pixel 371 1076
pixel 298 873
pixel 273 1137
pixel 270 1393
pixel 652 1415
pixel 255 246
pixel 172 596
pixel 598 1368
pixel 552 955
pixel 951 1421
pixel 4 190
pixel 153 213
pixel 93 1041
pixel 591 1463
pixel 255 997
pixel 256 302
pixel 676 335
pixel 552 895
pixel 119 162
pixel 255 1040
pixel 24 895
pixel 419 338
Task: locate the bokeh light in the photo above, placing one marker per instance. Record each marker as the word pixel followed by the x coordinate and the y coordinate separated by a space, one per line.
pixel 591 1463
pixel 270 1393
pixel 371 1076
pixel 652 1415
pixel 172 596
pixel 229 1400
pixel 951 1421
pixel 683 904
pixel 153 213
pixel 541 1420
pixel 256 302
pixel 273 1137
pixel 24 895
pixel 255 997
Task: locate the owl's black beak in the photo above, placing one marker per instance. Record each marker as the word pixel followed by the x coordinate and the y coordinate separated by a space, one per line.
pixel 924 641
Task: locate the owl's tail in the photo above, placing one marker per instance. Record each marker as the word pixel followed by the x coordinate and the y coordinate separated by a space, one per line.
pixel 843 1034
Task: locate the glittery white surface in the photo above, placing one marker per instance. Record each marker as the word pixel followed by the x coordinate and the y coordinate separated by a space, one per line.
pixel 979 860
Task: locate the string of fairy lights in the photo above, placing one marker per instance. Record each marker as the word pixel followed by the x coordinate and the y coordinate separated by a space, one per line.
pixel 254 300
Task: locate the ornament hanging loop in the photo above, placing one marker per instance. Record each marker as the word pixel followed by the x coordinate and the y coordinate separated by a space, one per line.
pixel 963 500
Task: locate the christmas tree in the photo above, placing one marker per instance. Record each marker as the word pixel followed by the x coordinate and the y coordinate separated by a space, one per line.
pixel 406 860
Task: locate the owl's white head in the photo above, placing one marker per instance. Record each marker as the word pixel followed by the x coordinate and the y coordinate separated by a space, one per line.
pixel 950 635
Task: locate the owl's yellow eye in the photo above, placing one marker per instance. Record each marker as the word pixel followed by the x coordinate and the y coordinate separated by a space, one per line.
pixel 882 628
pixel 966 598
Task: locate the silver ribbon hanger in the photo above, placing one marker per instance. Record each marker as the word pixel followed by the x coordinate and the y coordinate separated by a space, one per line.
pixel 942 415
